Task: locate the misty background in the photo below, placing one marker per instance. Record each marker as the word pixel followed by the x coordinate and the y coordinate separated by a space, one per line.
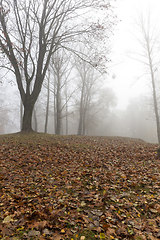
pixel 77 99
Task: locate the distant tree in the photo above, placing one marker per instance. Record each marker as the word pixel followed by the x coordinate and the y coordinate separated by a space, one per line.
pixel 137 120
pixel 5 112
pixel 48 99
pixel 32 31
pixel 149 56
pixel 103 111
pixel 57 66
pixel 86 81
pixel 91 98
pixel 61 71
pixel 57 84
pixel 4 119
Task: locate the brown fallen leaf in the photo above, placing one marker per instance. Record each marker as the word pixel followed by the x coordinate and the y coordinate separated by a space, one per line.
pixel 57 236
pixel 121 232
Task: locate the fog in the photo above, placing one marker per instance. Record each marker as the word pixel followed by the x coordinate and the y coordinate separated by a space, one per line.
pixel 84 101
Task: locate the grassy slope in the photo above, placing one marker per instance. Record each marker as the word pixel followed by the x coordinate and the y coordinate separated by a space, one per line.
pixel 63 187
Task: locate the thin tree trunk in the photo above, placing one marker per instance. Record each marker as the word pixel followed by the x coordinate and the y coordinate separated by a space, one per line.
pixel 80 127
pixel 80 122
pixel 156 110
pixel 84 122
pixel 66 111
pixel 66 118
pixel 58 107
pixel 58 127
pixel 154 92
pixel 47 107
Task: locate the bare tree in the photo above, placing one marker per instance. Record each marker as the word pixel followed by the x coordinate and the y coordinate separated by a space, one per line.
pixel 61 73
pixel 32 31
pixel 87 80
pixel 101 109
pixel 150 56
pixel 58 85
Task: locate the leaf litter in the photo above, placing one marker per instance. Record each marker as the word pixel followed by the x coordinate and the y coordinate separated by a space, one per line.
pixel 57 187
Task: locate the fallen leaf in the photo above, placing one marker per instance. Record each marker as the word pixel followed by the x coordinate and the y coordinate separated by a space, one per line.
pixel 8 219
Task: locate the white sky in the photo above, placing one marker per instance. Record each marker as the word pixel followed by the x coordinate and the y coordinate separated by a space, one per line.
pixel 127 70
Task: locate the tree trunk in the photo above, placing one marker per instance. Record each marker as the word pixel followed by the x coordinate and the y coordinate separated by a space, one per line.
pixel 58 107
pixel 154 91
pixel 21 113
pixel 156 111
pixel 66 118
pixel 81 112
pixel 58 130
pixel 35 120
pixel 80 124
pixel 27 117
pixel 58 126
pixel 47 107
pixel 84 122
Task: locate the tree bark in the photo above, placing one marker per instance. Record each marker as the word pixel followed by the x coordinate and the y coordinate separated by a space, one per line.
pixel 35 120
pixel 27 117
pixel 21 113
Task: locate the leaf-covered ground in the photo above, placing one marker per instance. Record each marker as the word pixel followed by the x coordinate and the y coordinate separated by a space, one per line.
pixel 78 188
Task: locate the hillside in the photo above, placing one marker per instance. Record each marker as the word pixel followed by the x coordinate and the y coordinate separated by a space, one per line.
pixel 72 187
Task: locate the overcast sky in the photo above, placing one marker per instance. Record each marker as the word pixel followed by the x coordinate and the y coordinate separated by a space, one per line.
pixel 127 70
